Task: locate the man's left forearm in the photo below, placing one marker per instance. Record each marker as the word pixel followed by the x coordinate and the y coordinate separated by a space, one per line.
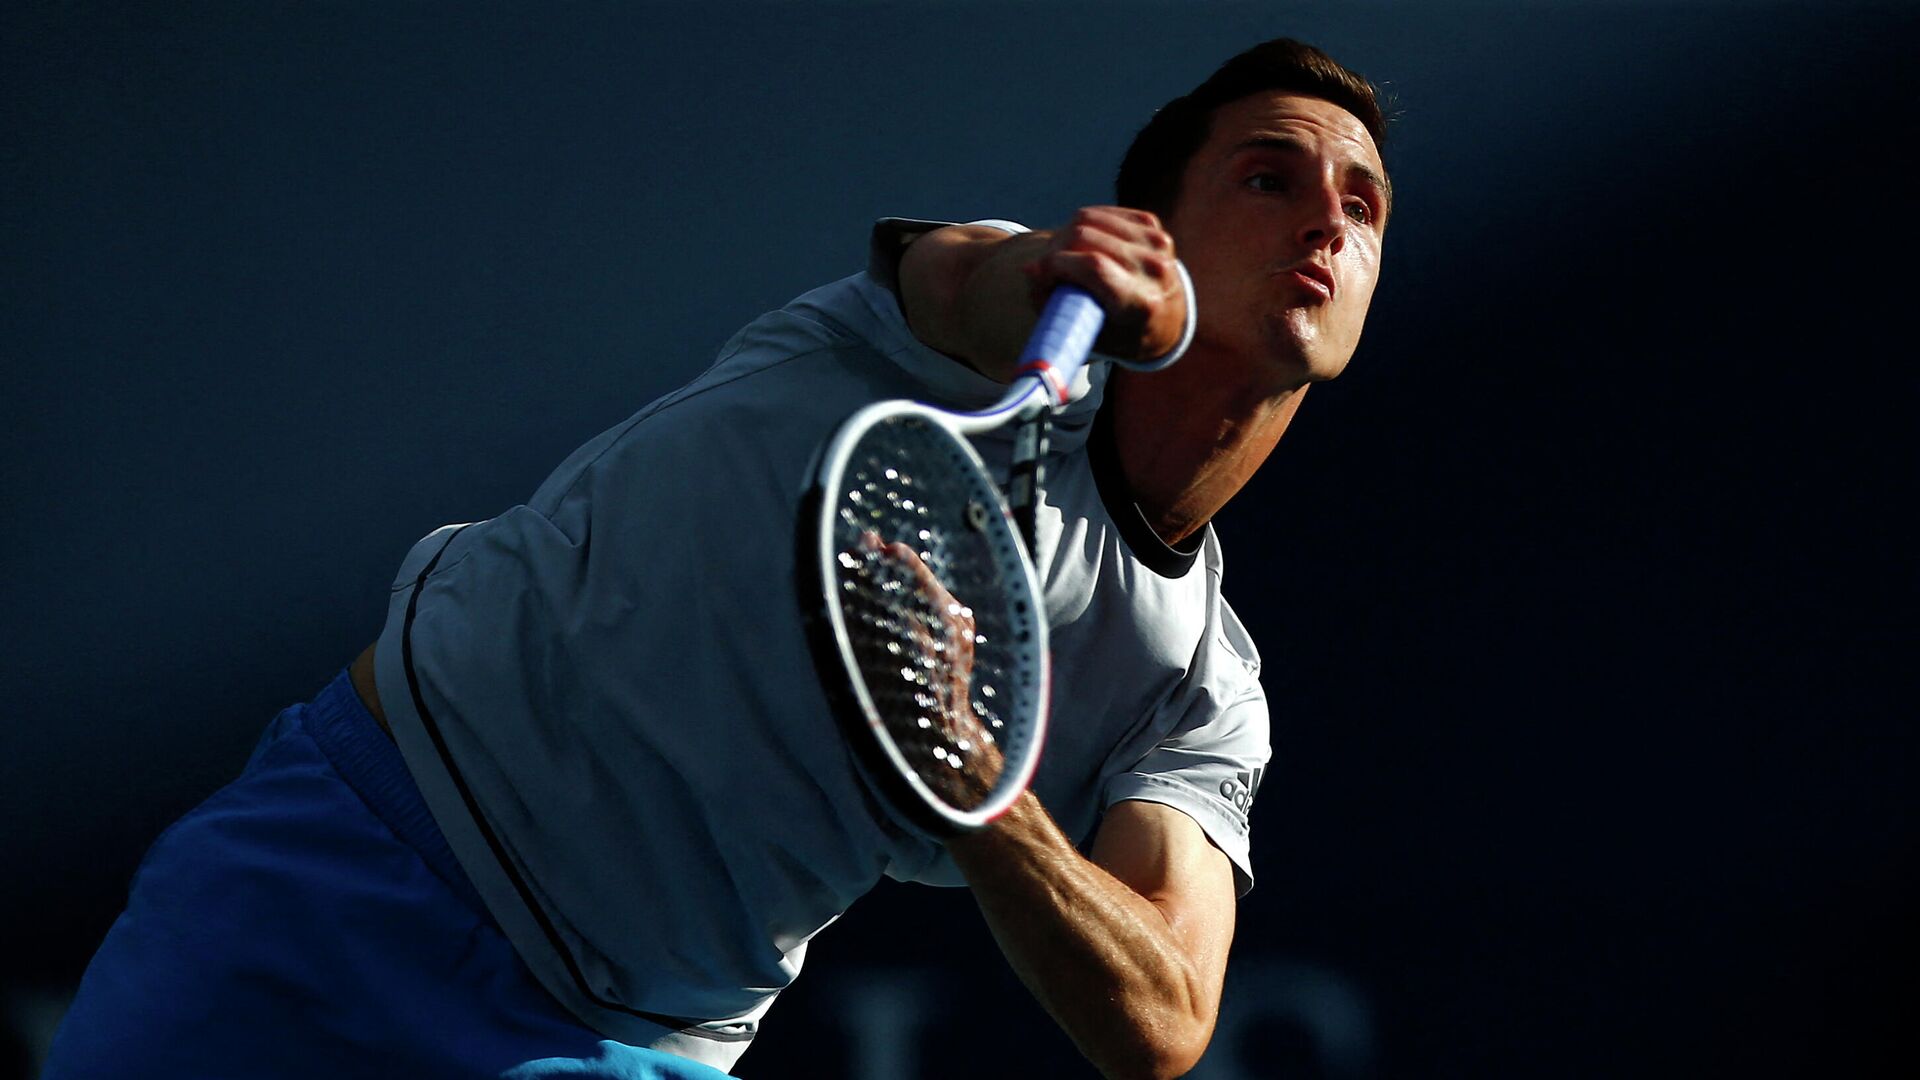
pixel 1103 959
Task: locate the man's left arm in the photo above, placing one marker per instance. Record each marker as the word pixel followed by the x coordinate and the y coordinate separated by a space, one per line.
pixel 1127 949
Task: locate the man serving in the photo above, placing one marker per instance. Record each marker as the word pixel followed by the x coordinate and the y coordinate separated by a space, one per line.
pixel 582 806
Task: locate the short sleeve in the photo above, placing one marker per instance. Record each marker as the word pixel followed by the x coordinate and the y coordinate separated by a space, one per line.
pixel 1209 768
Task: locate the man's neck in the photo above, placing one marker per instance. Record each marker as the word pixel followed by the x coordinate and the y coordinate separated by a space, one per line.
pixel 1186 445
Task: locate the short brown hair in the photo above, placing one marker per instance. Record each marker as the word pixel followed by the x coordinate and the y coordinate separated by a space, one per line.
pixel 1149 177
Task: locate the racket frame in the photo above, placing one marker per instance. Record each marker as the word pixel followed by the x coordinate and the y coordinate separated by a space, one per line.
pixel 832 643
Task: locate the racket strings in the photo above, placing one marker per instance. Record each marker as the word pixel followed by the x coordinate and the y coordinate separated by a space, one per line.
pixel 923 602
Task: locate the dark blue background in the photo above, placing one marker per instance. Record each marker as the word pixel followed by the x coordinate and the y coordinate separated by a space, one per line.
pixel 1585 597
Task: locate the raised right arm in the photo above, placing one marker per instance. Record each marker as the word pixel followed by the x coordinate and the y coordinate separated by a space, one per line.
pixel 974 291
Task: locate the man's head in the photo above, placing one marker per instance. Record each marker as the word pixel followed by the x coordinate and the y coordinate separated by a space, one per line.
pixel 1150 174
pixel 1268 175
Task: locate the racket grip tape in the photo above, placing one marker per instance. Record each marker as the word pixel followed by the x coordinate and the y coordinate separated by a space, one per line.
pixel 1061 340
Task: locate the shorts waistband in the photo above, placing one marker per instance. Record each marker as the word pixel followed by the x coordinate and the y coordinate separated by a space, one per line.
pixel 367 759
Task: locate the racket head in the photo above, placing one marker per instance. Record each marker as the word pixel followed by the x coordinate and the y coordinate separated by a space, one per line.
pixel 924 616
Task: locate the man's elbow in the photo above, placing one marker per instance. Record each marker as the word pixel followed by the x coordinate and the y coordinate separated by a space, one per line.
pixel 1179 1060
pixel 1164 1051
pixel 1169 1067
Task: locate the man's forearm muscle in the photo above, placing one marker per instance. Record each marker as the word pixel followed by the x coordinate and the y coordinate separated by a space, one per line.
pixel 1131 970
pixel 963 293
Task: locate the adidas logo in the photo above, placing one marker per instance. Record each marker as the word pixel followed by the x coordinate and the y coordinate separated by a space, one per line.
pixel 1240 792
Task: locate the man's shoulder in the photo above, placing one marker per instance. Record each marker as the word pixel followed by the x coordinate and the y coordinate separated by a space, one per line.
pixel 839 314
pixel 824 334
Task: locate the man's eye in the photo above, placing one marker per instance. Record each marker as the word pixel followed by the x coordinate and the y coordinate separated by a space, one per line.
pixel 1359 211
pixel 1266 182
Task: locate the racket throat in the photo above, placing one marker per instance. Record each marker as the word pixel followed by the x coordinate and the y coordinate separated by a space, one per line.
pixel 1027 476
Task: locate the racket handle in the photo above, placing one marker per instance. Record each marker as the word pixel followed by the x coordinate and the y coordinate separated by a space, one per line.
pixel 1061 340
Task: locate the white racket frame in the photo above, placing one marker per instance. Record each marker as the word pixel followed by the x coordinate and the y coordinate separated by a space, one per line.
pixel 1032 676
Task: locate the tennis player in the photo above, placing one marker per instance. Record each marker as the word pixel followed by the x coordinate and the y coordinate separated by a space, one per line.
pixel 582 806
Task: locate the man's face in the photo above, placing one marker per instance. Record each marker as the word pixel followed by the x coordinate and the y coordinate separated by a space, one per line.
pixel 1280 220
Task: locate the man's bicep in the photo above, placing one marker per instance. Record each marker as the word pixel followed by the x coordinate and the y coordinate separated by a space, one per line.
pixel 1163 854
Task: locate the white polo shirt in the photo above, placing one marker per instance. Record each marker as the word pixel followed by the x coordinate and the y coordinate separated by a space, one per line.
pixel 607 699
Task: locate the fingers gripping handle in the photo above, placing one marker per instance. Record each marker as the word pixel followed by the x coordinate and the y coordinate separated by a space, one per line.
pixel 1061 341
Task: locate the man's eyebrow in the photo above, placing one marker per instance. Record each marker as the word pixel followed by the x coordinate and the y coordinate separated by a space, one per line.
pixel 1360 169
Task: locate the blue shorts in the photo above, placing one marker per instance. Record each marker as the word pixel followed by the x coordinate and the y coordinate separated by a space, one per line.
pixel 309 920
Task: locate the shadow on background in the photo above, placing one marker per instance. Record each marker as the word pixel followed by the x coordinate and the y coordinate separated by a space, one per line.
pixel 1584 596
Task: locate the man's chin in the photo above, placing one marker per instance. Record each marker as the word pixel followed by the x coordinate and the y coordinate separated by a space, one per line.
pixel 1322 369
pixel 1302 356
pixel 1296 367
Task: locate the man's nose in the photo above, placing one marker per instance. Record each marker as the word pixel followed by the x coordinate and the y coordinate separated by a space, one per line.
pixel 1323 221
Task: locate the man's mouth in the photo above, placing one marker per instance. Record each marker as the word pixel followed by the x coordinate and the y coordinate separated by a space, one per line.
pixel 1311 276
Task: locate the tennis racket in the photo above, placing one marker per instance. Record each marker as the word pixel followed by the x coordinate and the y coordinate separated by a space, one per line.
pixel 916 580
